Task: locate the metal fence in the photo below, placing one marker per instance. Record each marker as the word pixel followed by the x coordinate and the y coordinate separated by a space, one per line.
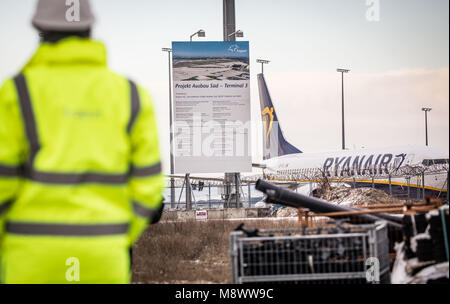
pixel 207 194
pixel 335 254
pixel 210 196
pixel 216 194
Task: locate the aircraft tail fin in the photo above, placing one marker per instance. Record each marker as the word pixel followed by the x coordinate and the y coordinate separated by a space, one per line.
pixel 274 142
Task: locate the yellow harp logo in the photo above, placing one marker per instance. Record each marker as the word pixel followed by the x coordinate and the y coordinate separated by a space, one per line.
pixel 267 115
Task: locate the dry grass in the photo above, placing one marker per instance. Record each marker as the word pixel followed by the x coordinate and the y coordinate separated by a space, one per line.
pixel 189 252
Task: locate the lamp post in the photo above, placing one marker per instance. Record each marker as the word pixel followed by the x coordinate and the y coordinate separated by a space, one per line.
pixel 172 180
pixel 237 34
pixel 426 110
pixel 199 33
pixel 342 71
pixel 262 61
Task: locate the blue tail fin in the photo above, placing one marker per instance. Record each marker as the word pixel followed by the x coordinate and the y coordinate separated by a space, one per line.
pixel 274 142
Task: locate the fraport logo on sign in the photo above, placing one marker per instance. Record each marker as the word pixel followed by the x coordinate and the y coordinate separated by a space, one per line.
pixel 201 215
pixel 235 49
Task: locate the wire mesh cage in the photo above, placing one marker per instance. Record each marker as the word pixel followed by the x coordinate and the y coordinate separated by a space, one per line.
pixel 332 254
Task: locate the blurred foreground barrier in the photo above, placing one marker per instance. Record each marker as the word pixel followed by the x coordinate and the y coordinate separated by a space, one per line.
pixel 334 254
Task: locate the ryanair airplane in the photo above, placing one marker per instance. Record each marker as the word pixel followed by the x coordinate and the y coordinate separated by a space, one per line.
pixel 393 170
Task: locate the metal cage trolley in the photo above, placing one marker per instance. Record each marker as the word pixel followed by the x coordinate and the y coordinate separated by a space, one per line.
pixel 333 254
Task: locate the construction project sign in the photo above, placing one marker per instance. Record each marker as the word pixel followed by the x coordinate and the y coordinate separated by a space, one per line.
pixel 211 93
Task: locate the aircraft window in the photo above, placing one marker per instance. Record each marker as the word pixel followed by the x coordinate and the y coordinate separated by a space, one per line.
pixel 440 161
pixel 429 162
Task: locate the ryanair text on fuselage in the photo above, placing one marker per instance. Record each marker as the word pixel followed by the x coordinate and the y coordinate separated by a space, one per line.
pixel 364 164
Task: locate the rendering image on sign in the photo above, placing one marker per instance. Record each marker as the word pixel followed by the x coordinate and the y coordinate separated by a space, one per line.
pixel 211 61
pixel 211 93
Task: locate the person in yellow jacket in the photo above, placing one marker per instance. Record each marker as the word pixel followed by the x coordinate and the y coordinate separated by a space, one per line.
pixel 80 169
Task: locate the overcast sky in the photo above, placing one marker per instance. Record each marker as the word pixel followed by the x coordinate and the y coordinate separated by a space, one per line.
pixel 398 64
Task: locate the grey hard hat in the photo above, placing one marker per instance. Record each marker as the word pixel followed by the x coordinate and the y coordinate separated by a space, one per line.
pixel 63 15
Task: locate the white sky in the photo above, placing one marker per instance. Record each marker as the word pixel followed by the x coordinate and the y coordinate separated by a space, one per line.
pixel 398 64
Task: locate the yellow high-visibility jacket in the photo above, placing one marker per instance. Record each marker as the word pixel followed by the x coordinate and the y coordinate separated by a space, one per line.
pixel 80 168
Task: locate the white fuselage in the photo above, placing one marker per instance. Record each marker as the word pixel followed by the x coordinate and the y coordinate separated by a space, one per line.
pixel 364 165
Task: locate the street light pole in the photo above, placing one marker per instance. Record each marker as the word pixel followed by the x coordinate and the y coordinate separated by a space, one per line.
pixel 172 180
pixel 262 61
pixel 342 71
pixel 199 33
pixel 426 110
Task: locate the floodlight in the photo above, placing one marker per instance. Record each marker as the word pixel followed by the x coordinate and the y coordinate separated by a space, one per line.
pixel 343 70
pixel 238 34
pixel 262 61
pixel 201 33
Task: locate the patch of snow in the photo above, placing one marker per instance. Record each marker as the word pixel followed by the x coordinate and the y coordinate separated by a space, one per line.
pixel 347 196
pixel 260 204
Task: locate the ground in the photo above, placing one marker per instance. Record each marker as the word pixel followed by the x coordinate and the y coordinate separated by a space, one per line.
pixel 192 252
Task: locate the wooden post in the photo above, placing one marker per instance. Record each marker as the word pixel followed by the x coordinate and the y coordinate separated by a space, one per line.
pixel 307 223
pixel 300 222
pixel 303 218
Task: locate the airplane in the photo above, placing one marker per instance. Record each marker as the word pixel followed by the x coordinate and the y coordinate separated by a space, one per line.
pixel 393 170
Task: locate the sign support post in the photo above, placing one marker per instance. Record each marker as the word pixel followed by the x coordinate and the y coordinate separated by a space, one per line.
pixel 229 26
